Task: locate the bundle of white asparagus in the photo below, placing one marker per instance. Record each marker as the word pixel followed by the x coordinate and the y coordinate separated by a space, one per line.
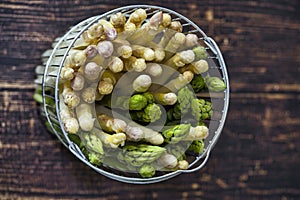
pixel 148 63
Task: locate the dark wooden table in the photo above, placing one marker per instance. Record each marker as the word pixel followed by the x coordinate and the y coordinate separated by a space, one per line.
pixel 257 155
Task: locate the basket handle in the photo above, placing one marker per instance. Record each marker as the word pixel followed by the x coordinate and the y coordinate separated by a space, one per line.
pixel 199 166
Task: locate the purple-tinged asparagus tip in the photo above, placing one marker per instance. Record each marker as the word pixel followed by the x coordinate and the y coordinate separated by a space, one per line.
pixel 156 19
pixel 91 51
pixel 105 48
pixel 111 34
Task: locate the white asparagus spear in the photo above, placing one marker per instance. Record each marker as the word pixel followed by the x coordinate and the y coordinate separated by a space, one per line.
pixel 197 67
pixel 149 135
pixel 197 133
pixel 68 118
pixel 88 94
pixel 181 59
pixel 92 71
pixel 70 98
pixel 143 52
pixel 110 140
pixel 109 30
pixel 116 64
pixel 77 83
pixel 168 161
pixel 110 124
pixel 118 20
pixel 154 69
pixel 105 49
pixel 169 98
pixel 85 117
pixel 136 64
pixel 148 31
pixel 177 83
pixel 142 83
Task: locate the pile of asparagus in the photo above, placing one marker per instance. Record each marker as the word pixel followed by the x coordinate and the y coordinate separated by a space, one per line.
pixel 127 74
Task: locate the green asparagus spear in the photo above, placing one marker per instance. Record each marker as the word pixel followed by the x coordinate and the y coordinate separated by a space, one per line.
pixel 95 158
pixel 197 147
pixel 200 52
pixel 150 113
pixel 201 109
pixel 114 163
pixel 93 148
pixel 75 139
pixel 198 83
pixel 174 113
pixel 215 84
pixel 140 154
pixel 137 102
pixel 176 133
pixel 170 114
pixel 147 171
pixel 92 142
pixel 37 96
pixel 149 97
pixel 184 97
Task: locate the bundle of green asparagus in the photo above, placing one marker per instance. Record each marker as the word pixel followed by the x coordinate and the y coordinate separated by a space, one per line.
pixel 145 70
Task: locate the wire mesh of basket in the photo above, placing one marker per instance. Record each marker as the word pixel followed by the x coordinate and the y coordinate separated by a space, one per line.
pixel 48 79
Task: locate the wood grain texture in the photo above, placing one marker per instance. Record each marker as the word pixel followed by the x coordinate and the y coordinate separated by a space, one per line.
pixel 257 155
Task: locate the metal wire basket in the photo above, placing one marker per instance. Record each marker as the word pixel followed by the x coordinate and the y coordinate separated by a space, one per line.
pixel 53 60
